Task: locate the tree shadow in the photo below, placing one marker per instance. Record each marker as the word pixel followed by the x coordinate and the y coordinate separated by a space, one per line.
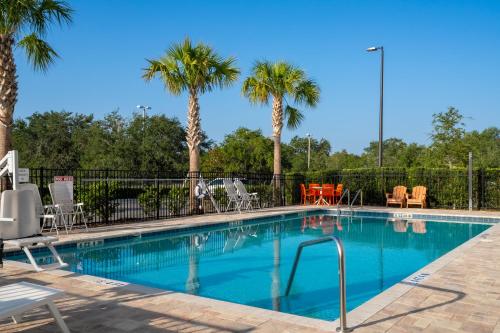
pixel 458 296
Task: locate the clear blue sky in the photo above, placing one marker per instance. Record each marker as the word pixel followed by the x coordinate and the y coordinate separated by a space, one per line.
pixel 438 54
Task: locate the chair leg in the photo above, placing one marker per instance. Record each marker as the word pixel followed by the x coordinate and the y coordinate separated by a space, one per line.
pixel 57 316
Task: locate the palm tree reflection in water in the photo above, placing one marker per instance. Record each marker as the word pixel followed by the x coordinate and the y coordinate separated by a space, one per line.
pixel 193 282
pixel 276 281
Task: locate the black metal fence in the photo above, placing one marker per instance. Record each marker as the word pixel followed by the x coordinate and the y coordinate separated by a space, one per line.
pixel 446 188
pixel 118 196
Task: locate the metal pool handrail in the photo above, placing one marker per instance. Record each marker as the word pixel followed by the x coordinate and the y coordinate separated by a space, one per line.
pixel 340 249
pixel 355 197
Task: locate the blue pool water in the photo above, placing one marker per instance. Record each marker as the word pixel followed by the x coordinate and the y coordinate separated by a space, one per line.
pixel 249 263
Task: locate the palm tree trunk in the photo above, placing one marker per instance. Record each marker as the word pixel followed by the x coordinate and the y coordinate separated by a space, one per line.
pixel 8 91
pixel 277 127
pixel 193 138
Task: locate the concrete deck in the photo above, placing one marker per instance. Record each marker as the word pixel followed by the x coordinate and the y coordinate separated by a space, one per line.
pixel 459 292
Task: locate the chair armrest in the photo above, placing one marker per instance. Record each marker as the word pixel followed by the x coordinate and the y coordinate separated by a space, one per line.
pixel 388 195
pixel 79 204
pixel 7 219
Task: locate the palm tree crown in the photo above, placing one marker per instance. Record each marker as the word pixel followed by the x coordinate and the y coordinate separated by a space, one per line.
pixel 195 68
pixel 27 22
pixel 281 81
pixel 24 23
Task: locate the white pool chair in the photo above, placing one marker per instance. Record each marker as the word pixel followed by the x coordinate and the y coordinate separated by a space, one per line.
pixel 22 228
pixel 232 195
pixel 246 198
pixel 21 297
pixel 45 212
pixel 64 206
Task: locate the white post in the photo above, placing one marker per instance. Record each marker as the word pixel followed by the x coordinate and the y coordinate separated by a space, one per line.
pixel 15 169
pixel 470 181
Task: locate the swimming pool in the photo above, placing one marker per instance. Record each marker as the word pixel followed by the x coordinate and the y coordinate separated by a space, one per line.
pixel 249 262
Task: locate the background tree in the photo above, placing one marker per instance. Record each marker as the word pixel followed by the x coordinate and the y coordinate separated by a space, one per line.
pixel 320 153
pixel 51 139
pixel 447 148
pixel 279 81
pixel 244 150
pixel 23 24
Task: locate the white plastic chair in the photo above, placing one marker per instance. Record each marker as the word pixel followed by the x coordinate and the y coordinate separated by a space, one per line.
pixel 232 195
pixel 246 198
pixel 18 298
pixel 64 206
pixel 45 212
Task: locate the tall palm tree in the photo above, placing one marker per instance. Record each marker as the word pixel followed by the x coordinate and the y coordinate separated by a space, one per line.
pixel 23 24
pixel 195 69
pixel 279 81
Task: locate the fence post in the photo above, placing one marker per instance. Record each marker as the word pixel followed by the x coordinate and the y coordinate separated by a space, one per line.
pixel 480 189
pixel 470 180
pixel 106 197
pixel 158 194
pixel 42 189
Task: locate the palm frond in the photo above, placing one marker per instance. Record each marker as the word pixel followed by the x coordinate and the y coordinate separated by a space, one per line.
pixel 293 117
pixel 306 92
pixel 46 12
pixel 40 53
pixel 193 67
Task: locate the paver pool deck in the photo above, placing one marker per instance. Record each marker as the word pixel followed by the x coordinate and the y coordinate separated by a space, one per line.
pixel 460 292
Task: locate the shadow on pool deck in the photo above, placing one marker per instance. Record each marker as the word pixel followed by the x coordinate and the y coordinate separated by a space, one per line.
pixel 458 295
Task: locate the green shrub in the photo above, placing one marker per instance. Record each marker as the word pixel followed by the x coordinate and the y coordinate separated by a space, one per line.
pixel 98 198
pixel 150 200
pixel 177 198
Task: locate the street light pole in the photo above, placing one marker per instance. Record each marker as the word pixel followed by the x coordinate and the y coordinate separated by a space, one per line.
pixel 144 109
pixel 381 112
pixel 308 151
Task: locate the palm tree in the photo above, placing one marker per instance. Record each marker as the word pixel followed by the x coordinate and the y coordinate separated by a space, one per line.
pixel 23 24
pixel 278 81
pixel 196 69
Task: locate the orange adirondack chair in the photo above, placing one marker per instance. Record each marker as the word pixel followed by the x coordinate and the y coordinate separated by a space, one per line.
pixel 417 197
pixel 305 194
pixel 397 197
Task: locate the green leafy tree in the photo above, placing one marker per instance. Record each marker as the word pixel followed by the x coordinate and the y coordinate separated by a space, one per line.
pixel 320 153
pixel 447 148
pixel 278 82
pixel 23 24
pixel 51 139
pixel 344 160
pixel 244 150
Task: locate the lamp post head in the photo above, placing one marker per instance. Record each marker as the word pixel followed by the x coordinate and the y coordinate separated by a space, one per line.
pixel 373 49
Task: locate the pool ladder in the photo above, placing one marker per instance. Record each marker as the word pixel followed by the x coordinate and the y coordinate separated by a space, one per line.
pixel 350 204
pixel 340 250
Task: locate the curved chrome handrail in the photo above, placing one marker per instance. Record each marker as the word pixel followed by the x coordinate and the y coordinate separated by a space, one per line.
pixel 340 250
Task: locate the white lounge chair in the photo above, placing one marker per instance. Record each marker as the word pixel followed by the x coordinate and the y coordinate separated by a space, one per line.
pixel 232 195
pixel 246 198
pixel 20 225
pixel 65 207
pixel 45 212
pixel 18 298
